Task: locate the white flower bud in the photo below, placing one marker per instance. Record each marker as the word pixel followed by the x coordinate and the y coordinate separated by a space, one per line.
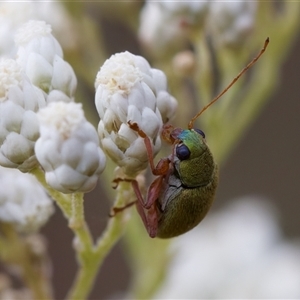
pixel 192 12
pixel 184 63
pixel 15 13
pixel 166 103
pixel 68 148
pixel 165 26
pixel 41 56
pixel 19 128
pixel 23 201
pixel 128 89
pixel 232 22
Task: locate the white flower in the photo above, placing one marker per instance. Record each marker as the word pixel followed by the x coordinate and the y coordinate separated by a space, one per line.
pixel 232 22
pixel 23 201
pixel 165 26
pixel 15 13
pixel 193 12
pixel 128 89
pixel 19 128
pixel 166 103
pixel 68 148
pixel 184 63
pixel 235 254
pixel 41 57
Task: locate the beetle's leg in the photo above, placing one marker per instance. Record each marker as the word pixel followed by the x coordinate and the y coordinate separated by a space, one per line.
pixel 163 165
pixel 116 210
pixel 116 181
pixel 166 133
pixel 149 218
pixel 147 210
pixel 152 195
pixel 154 191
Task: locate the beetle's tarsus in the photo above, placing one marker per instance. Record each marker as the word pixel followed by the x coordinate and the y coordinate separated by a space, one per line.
pixel 116 210
pixel 135 127
pixel 116 181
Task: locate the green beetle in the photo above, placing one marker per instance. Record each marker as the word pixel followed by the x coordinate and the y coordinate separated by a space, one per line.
pixel 183 192
pixel 190 186
pixel 181 195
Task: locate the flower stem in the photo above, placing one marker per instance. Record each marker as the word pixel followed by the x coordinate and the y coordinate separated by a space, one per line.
pixel 61 199
pixel 91 258
pixel 77 222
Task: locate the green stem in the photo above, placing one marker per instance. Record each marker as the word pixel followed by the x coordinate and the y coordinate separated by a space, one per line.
pixel 116 224
pixel 77 222
pixel 204 76
pixel 63 200
pixel 73 209
pixel 92 258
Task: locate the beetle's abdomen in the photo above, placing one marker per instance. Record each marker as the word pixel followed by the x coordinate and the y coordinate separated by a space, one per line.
pixel 187 209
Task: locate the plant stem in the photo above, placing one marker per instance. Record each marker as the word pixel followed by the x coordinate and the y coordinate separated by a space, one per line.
pixel 91 258
pixel 77 222
pixel 63 200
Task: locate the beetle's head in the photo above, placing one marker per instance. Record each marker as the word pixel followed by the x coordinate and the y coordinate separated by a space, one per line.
pixel 190 143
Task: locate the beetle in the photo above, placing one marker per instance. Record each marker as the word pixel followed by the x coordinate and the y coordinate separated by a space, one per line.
pixel 185 186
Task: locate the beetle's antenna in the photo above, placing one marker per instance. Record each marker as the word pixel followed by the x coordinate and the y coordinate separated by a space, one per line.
pixel 254 60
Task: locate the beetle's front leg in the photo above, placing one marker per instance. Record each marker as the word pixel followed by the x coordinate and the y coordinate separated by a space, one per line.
pixel 148 210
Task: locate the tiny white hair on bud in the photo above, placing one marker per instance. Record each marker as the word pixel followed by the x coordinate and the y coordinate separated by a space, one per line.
pixel 10 75
pixel 119 73
pixel 30 30
pixel 61 117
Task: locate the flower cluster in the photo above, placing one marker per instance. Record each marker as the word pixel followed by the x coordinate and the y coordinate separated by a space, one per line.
pixel 68 148
pixel 41 57
pixel 37 76
pixel 128 89
pixel 14 14
pixel 232 23
pixel 19 128
pixel 40 124
pixel 165 26
pixel 23 201
pixel 168 26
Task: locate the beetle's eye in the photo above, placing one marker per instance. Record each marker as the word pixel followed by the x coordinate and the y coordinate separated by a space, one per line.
pixel 200 132
pixel 182 152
